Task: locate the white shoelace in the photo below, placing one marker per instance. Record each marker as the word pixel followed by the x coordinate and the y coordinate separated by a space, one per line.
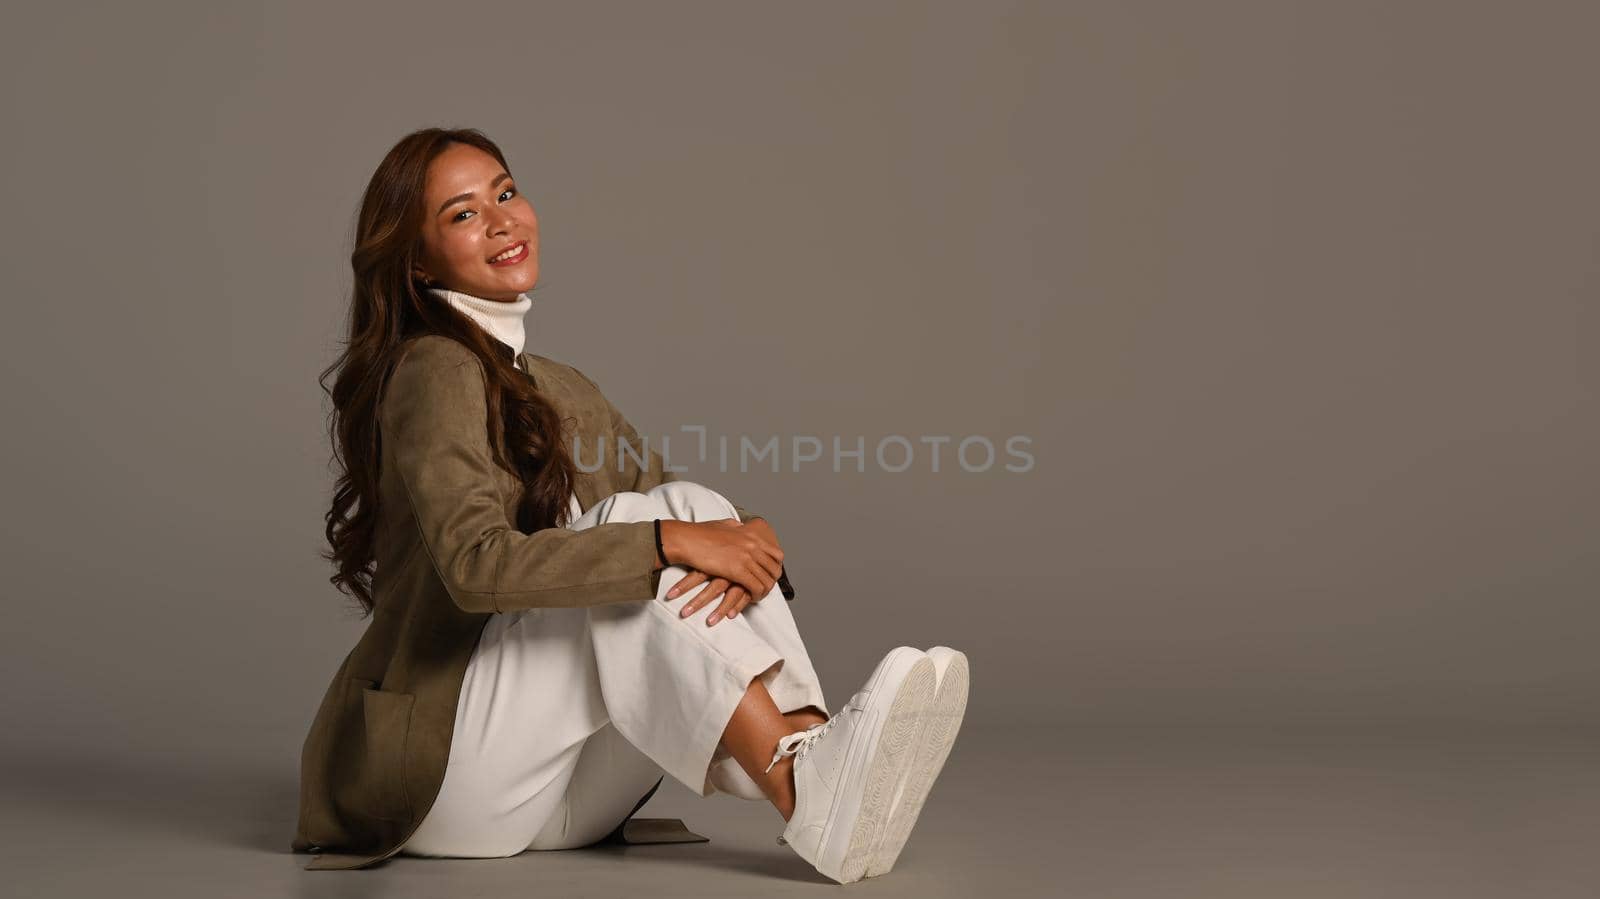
pixel 801 740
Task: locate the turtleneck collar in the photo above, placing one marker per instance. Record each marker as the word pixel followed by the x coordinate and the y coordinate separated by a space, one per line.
pixel 502 320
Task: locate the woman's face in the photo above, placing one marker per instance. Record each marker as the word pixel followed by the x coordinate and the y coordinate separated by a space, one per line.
pixel 472 213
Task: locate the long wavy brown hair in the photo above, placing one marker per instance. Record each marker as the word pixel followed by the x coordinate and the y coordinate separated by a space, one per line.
pixel 389 306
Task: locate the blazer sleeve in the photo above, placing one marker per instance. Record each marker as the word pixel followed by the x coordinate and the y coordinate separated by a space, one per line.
pixel 654 471
pixel 434 417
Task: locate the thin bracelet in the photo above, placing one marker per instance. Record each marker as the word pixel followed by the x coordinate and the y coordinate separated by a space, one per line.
pixel 659 551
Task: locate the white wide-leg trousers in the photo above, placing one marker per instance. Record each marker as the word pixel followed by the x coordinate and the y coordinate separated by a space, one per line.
pixel 569 716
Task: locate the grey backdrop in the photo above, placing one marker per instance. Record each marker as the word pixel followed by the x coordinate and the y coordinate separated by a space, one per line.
pixel 1296 303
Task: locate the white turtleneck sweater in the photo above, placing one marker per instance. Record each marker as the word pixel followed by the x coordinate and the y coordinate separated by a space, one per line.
pixel 504 322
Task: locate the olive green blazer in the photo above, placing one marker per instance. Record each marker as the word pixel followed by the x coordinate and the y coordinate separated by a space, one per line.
pixel 448 557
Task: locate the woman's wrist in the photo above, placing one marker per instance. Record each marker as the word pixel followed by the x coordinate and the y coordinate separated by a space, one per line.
pixel 669 532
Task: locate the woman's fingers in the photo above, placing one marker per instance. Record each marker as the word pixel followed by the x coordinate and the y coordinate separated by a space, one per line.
pixel 770 558
pixel 749 578
pixel 757 581
pixel 730 601
pixel 767 573
pixel 714 588
pixel 762 547
pixel 687 583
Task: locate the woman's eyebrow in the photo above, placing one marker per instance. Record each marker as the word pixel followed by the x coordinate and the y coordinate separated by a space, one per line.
pixel 469 194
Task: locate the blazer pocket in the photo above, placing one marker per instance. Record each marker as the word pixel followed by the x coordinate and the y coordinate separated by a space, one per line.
pixel 386 720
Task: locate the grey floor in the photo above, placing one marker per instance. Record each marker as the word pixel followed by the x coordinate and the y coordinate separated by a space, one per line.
pixel 1151 813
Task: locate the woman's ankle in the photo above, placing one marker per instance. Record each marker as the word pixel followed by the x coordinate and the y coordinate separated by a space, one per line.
pixel 804 718
pixel 783 780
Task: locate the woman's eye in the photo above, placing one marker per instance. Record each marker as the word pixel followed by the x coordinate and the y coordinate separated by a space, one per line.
pixel 457 217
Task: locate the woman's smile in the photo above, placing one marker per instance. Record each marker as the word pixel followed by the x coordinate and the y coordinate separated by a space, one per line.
pixel 517 254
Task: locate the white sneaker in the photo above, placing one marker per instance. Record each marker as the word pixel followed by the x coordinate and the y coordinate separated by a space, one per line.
pixel 846 769
pixel 932 749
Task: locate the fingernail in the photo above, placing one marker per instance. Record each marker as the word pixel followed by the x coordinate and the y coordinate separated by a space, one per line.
pixel 710 621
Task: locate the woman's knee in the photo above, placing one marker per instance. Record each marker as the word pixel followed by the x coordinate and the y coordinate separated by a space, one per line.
pixel 628 505
pixel 693 501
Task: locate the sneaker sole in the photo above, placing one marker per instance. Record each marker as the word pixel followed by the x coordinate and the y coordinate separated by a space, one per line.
pixel 892 752
pixel 932 750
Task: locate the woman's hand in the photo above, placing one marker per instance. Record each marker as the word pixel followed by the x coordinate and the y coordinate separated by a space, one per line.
pixel 734 597
pixel 738 562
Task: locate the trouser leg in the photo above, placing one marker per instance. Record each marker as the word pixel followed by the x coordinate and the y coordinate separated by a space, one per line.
pixel 671 684
pixel 609 779
pixel 793 685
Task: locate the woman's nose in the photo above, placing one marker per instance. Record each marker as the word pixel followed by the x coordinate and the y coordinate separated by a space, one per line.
pixel 500 222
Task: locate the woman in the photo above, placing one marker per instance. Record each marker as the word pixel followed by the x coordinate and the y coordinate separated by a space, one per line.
pixel 547 643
